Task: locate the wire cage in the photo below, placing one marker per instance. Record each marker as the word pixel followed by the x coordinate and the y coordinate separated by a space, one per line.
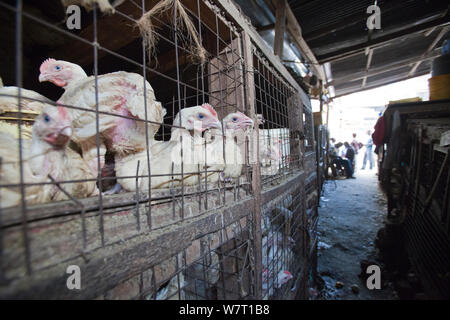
pixel 415 168
pixel 426 222
pixel 274 103
pixel 177 229
pixel 308 129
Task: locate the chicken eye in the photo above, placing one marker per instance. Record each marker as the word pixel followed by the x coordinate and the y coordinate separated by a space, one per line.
pixel 234 119
pixel 201 116
pixel 46 118
pixel 57 68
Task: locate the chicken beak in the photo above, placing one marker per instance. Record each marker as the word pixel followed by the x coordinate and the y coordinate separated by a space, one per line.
pixel 246 123
pixel 215 125
pixel 67 131
pixel 43 77
pixel 61 138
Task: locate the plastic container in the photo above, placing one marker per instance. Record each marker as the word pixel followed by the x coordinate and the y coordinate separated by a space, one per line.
pixel 439 87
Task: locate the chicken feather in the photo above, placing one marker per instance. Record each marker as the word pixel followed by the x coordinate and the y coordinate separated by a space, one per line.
pixel 46 154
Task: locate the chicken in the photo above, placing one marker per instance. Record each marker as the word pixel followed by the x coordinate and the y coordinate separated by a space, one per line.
pixel 172 290
pixel 232 160
pixel 276 249
pixel 46 154
pixel 120 93
pixel 165 157
pixel 203 276
pixel 9 100
pixel 269 150
pixel 270 283
pixel 104 5
pixel 277 256
pixel 236 124
pixel 269 155
pixel 9 106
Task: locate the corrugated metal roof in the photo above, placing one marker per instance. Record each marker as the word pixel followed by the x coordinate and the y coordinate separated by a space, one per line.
pixel 336 31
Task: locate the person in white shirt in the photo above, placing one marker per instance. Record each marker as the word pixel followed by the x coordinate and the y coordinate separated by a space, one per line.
pixel 368 153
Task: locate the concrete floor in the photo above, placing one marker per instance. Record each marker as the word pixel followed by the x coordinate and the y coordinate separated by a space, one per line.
pixel 351 213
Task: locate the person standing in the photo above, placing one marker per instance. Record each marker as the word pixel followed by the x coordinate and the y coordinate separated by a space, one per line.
pixel 356 146
pixel 350 157
pixel 368 153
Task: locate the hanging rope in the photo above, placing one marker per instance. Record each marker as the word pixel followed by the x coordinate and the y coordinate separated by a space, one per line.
pixel 184 23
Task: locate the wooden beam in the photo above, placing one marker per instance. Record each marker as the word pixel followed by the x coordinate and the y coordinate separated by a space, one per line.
pixel 383 39
pixel 256 173
pixel 295 31
pixel 429 49
pixel 280 27
pixel 369 61
pixel 267 27
pixel 373 72
pixel 237 16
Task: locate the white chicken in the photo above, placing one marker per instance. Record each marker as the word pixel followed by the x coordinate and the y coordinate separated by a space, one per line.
pixel 277 256
pixel 46 154
pixel 168 159
pixel 121 94
pixel 276 250
pixel 232 160
pixel 269 150
pixel 9 99
pixel 270 283
pixel 9 106
pixel 172 290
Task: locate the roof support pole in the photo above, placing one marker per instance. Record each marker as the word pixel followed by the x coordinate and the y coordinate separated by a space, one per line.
pixel 369 53
pixel 280 27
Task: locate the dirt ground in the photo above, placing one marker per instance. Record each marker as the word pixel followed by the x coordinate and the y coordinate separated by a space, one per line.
pixel 351 213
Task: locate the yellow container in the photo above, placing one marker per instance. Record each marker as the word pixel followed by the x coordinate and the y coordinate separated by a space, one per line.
pixel 439 87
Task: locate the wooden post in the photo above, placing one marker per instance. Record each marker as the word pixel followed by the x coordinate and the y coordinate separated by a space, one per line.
pixel 295 128
pixel 319 144
pixel 328 141
pixel 280 28
pixel 225 82
pixel 256 174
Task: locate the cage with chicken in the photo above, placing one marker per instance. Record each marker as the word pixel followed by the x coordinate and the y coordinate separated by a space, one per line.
pixel 164 134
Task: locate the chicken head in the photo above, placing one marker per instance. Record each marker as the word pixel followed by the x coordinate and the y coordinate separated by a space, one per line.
pixel 53 126
pixel 61 73
pixel 198 118
pixel 237 120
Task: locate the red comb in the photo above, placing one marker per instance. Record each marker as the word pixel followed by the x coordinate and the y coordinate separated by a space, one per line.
pixel 45 64
pixel 62 112
pixel 208 107
pixel 287 273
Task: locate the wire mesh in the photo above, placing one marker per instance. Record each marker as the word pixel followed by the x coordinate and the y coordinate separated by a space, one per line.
pixel 423 212
pixel 274 103
pixel 53 218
